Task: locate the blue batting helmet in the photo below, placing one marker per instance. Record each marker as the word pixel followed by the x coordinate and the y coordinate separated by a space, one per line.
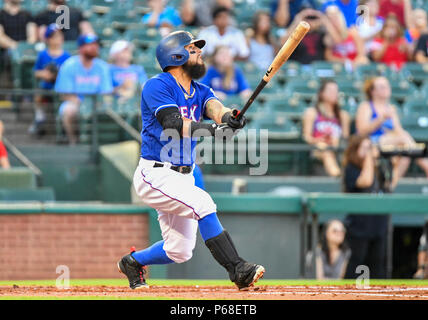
pixel 170 50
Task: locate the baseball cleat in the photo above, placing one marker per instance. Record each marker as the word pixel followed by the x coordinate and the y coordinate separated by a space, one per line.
pixel 133 271
pixel 253 273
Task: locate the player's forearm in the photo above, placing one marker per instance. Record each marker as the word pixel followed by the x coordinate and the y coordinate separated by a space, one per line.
pixel 215 110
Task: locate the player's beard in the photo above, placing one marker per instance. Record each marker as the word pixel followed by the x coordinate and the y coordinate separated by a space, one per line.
pixel 194 71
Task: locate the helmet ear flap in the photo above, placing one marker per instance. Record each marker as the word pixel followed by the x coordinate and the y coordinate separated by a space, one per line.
pixel 181 57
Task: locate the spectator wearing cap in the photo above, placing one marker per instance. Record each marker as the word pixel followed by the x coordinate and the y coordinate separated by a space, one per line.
pixel 16 25
pixel 223 33
pixel 76 25
pixel 80 75
pixel 127 78
pixel 4 160
pixel 164 17
pixel 46 69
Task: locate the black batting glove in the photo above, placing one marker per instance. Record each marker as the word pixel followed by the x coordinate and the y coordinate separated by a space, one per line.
pixel 230 119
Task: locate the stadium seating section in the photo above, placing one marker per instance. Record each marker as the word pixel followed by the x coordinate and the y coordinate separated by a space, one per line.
pixel 280 106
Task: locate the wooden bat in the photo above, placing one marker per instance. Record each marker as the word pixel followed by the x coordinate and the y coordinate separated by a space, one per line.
pixel 281 57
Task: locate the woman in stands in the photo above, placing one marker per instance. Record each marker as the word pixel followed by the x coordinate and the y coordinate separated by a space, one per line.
pixel 262 46
pixel 325 124
pixel 332 254
pixel 378 119
pixel 366 234
pixel 391 47
pixel 224 77
pixel 350 50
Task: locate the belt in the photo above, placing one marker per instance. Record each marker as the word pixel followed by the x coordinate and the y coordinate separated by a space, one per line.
pixel 181 169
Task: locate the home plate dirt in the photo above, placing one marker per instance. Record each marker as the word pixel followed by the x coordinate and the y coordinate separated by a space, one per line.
pixel 347 292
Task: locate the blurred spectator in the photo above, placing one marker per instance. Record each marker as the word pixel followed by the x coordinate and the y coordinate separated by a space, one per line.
pixel 313 46
pixel 76 25
pixel 16 25
pixel 284 11
pixel 4 160
pixel 325 124
pixel 391 47
pixel 127 78
pixel 46 70
pixel 378 119
pixel 260 41
pixel 400 8
pixel 332 255
pixel 422 271
pixel 369 24
pixel 166 18
pixel 366 234
pixel 222 33
pixel 418 25
pixel 347 7
pixel 421 51
pixel 350 50
pixel 224 77
pixel 81 75
pixel 198 13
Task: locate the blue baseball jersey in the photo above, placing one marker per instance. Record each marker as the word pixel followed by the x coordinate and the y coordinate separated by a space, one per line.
pixel 74 78
pixel 44 59
pixel 163 91
pixel 214 79
pixel 134 73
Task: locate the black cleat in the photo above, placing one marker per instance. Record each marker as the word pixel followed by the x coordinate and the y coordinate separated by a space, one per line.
pixel 133 271
pixel 247 274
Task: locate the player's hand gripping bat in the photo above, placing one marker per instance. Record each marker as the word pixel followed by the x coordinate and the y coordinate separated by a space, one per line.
pixel 282 56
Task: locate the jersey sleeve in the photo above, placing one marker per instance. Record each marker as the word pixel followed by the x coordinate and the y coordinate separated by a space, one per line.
pixel 158 95
pixel 208 95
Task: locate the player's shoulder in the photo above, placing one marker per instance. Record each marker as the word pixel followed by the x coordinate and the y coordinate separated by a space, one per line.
pixel 160 81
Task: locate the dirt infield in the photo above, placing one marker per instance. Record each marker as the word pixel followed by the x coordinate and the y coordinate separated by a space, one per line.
pixel 346 292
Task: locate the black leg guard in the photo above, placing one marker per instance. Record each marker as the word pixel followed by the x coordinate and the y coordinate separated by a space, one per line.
pixel 242 273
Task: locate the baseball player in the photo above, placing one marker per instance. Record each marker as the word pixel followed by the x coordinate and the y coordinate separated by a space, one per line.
pixel 173 102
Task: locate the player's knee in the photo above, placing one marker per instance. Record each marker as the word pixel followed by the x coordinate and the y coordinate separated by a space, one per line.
pixel 180 251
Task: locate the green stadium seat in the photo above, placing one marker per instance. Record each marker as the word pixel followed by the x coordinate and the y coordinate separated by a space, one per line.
pixel 280 103
pixel 17 178
pixel 415 72
pixel 279 126
pixel 377 69
pixel 417 126
pixel 41 194
pixel 400 90
pixel 302 88
pixel 329 70
pixel 415 106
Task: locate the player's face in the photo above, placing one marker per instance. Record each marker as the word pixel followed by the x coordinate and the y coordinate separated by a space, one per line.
pixel 195 54
pixel 195 66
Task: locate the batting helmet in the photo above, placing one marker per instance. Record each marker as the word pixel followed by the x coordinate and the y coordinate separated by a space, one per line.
pixel 170 50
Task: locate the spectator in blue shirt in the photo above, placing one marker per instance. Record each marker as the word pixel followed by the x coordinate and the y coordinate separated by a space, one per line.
pixel 83 74
pixel 164 17
pixel 224 77
pixel 284 11
pixel 127 78
pixel 348 8
pixel 46 69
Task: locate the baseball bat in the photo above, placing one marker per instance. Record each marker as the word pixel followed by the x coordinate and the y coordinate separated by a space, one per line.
pixel 281 57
